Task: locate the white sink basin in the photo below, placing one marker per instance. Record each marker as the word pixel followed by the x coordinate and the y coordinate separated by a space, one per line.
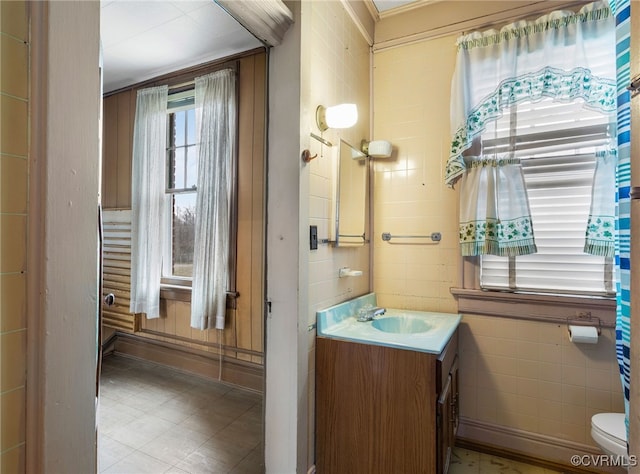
pixel 400 328
pixel 402 325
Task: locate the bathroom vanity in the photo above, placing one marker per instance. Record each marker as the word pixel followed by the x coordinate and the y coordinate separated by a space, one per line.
pixel 386 401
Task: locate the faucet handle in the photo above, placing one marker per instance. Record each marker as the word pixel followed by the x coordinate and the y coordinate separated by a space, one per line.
pixel 363 312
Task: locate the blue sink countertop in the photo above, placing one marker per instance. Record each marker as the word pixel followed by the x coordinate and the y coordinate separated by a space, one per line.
pixel 400 328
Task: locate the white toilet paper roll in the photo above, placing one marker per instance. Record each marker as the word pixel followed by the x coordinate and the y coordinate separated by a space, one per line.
pixel 583 334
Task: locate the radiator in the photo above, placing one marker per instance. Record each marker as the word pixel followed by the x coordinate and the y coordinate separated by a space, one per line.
pixel 116 270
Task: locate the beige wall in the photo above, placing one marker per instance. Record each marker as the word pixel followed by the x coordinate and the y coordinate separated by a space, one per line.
pixel 339 71
pixel 14 163
pixel 411 109
pixel 515 375
pixel 69 305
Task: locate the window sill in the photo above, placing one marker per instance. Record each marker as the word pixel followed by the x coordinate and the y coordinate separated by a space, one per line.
pixel 183 293
pixel 175 292
pixel 535 307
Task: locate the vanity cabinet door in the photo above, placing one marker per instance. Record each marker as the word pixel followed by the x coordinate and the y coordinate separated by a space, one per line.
pixel 445 427
pixel 374 409
pixel 447 417
pixel 455 400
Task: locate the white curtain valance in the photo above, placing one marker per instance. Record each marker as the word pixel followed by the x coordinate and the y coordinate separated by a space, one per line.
pixel 558 55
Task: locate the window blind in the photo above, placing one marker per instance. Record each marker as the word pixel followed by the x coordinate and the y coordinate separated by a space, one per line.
pixel 556 143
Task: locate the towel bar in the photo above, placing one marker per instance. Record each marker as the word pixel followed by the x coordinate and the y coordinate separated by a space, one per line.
pixel 434 236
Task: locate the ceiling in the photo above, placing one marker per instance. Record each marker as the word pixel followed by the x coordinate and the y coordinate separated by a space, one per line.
pixel 143 39
pixel 146 39
pixel 386 5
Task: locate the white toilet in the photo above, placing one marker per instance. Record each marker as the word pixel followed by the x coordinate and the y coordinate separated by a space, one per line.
pixel 610 433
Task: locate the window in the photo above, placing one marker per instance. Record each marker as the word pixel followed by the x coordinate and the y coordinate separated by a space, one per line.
pixel 182 176
pixel 540 97
pixel 201 193
pixel 557 144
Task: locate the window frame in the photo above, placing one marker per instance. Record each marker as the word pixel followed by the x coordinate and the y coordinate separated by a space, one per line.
pixel 528 304
pixel 538 142
pixel 179 288
pixel 170 192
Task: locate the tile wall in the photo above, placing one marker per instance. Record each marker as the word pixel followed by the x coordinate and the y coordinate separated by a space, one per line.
pixel 14 153
pixel 516 374
pixel 339 71
pixel 528 376
pixel 411 109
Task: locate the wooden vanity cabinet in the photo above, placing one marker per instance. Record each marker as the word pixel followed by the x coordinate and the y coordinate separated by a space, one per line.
pixel 382 410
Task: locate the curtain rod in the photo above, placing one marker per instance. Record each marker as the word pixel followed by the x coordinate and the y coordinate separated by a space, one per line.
pixel 182 85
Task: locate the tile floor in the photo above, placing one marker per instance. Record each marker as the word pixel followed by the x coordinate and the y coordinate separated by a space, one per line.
pixel 464 461
pixel 156 420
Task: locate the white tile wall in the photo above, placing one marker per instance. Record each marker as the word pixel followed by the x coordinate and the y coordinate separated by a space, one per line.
pixel 339 72
pixel 411 109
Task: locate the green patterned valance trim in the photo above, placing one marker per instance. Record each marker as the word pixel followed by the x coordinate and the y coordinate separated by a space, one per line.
pixel 600 236
pixel 483 162
pixel 597 92
pixel 608 153
pixel 540 26
pixel 497 237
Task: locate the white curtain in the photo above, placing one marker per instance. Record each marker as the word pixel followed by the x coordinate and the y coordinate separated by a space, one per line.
pixel 147 199
pixel 552 56
pixel 600 235
pixel 494 209
pixel 216 126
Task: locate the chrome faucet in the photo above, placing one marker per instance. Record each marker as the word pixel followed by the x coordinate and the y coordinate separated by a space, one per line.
pixel 369 313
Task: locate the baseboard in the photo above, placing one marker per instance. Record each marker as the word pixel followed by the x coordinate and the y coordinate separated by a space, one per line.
pixel 108 344
pixel 235 372
pixel 532 448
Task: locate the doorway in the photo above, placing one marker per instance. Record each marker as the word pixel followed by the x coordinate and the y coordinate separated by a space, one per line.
pixel 169 340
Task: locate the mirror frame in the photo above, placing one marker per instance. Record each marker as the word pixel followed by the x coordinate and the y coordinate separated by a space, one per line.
pixel 339 191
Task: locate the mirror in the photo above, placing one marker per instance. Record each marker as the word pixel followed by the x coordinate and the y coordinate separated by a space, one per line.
pixel 350 197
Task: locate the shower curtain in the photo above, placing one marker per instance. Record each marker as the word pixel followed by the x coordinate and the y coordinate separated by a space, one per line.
pixel 622 9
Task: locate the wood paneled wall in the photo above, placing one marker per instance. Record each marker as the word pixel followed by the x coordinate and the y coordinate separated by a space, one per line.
pixel 117 144
pixel 243 335
pixel 251 205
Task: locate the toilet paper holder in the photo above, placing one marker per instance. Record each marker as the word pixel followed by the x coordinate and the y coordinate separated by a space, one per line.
pixel 585 319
